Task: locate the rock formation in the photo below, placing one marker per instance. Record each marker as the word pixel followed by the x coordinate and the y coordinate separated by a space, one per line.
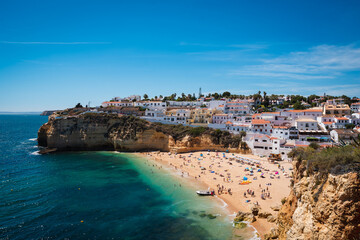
pixel 321 205
pixel 103 131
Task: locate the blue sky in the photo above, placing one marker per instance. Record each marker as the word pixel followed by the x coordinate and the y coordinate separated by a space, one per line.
pixel 54 54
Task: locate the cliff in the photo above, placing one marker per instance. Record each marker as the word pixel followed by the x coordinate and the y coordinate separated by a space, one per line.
pixel 103 131
pixel 324 203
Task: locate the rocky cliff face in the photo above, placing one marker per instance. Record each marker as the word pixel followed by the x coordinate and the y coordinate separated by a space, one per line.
pixel 322 206
pixel 96 131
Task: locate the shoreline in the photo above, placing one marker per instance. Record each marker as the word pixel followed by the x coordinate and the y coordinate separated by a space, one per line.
pixel 207 168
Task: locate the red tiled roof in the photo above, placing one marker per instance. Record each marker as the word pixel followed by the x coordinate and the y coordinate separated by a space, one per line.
pixel 285 127
pixel 296 111
pixel 271 113
pixel 313 110
pixel 259 121
pixel 342 118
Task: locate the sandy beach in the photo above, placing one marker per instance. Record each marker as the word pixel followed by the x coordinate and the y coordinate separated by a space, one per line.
pixel 242 181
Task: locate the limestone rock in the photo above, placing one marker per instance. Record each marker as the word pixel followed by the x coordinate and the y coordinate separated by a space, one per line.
pixel 244 216
pixel 264 214
pixel 255 211
pixel 271 218
pixel 324 207
pixel 276 208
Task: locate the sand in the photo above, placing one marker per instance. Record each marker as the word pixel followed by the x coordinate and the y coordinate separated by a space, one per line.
pixel 224 171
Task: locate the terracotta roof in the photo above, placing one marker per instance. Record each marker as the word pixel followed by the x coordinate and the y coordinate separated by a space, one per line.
pixel 273 138
pixel 301 145
pixel 228 122
pixel 263 135
pixel 259 121
pixel 285 127
pixel 270 113
pixel 327 123
pixel 313 110
pixel 296 110
pixel 255 115
pixel 342 118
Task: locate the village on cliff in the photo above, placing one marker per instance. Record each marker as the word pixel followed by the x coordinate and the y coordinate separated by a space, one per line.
pixel 270 125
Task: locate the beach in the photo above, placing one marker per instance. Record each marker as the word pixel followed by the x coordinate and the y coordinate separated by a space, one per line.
pixel 242 181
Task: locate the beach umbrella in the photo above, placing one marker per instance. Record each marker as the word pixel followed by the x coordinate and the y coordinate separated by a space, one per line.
pixel 212 171
pixel 245 178
pixel 277 173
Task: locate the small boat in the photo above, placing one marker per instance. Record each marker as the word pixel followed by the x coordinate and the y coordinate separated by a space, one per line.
pixel 205 193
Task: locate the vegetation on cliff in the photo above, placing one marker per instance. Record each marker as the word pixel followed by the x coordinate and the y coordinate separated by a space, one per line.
pixel 326 160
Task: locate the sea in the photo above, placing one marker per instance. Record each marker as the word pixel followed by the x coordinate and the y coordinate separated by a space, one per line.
pixel 98 195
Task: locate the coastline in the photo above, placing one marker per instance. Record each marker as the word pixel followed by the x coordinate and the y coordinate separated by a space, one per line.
pixel 195 166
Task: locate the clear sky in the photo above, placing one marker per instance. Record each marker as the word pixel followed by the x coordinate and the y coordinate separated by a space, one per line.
pixel 54 54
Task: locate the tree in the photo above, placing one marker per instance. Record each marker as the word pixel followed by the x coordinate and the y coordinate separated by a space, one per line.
pixel 298 106
pixel 226 94
pixel 145 96
pixel 350 126
pixel 242 134
pixel 78 105
pixel 314 145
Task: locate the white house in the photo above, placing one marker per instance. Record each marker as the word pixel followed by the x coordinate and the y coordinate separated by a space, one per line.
pixel 313 112
pixel 261 126
pixel 221 118
pixel 237 107
pixel 355 107
pixel 282 132
pixel 156 113
pixel 340 122
pixel 150 104
pixel 306 124
pixel 217 104
pixel 237 128
pixel 117 104
pixel 262 144
pixel 293 114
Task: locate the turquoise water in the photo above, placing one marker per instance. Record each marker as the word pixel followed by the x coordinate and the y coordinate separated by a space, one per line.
pixel 96 195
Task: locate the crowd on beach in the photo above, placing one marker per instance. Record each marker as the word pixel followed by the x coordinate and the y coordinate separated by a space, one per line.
pixel 223 172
